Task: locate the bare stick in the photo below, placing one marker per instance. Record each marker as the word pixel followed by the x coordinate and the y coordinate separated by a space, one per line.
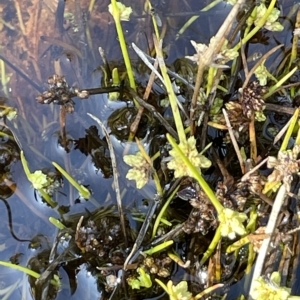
pixel 206 59
pixel 233 141
pixel 269 231
pixel 116 181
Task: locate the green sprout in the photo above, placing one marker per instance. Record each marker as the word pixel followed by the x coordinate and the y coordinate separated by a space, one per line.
pixel 57 223
pixel 176 292
pixel 9 112
pixel 83 191
pixel 269 288
pixel 270 23
pixel 115 82
pixel 227 217
pixel 259 23
pixel 55 281
pixel 143 280
pixel 231 223
pixel 190 151
pixel 140 169
pixel 39 181
pixel 124 11
pixel 158 248
pixel 262 73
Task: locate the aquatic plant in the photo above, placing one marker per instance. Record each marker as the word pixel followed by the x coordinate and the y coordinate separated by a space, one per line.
pixel 206 205
pixel 269 288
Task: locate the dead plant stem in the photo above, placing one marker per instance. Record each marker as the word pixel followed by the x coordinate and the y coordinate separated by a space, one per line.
pixel 233 141
pixel 206 59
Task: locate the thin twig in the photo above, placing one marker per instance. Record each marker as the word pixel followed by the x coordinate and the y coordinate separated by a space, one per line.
pixel 252 138
pixel 269 231
pixel 135 123
pixel 280 109
pixel 206 59
pixel 233 141
pixel 259 62
pixel 143 57
pixel 116 181
pixel 247 175
pixel 282 131
pixel 155 113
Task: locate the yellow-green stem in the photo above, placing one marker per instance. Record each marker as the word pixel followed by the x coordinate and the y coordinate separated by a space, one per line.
pixel 289 131
pixel 194 18
pixel 116 16
pixel 162 285
pixel 159 247
pixel 259 25
pixel 212 246
pixel 162 211
pixel 297 142
pixel 47 198
pixel 251 258
pixel 172 96
pixel 209 291
pixel 149 161
pixel 271 76
pixel 25 165
pixel 57 223
pixel 3 77
pixel 279 83
pixel 207 190
pixel 91 5
pixel 210 80
pixel 26 271
pixel 153 21
pixel 83 191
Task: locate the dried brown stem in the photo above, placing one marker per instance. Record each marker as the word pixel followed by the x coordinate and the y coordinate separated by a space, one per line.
pixel 234 142
pixel 206 59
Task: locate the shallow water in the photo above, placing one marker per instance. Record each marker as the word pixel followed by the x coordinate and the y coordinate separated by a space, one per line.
pixel 36 50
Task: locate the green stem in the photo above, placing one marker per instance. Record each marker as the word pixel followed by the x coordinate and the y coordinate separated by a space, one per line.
pixel 210 80
pixel 149 161
pixel 271 76
pixel 57 223
pixel 159 247
pixel 83 191
pixel 212 246
pixel 194 18
pixel 259 25
pixel 26 271
pixel 153 21
pixel 47 198
pixel 162 211
pixel 290 130
pixel 207 190
pixel 172 96
pixel 25 165
pixel 279 83
pixel 116 16
pixel 162 285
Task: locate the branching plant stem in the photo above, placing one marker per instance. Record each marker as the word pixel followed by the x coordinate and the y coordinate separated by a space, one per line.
pixel 206 59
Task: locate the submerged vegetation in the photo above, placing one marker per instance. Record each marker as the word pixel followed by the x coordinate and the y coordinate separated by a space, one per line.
pixel 202 154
